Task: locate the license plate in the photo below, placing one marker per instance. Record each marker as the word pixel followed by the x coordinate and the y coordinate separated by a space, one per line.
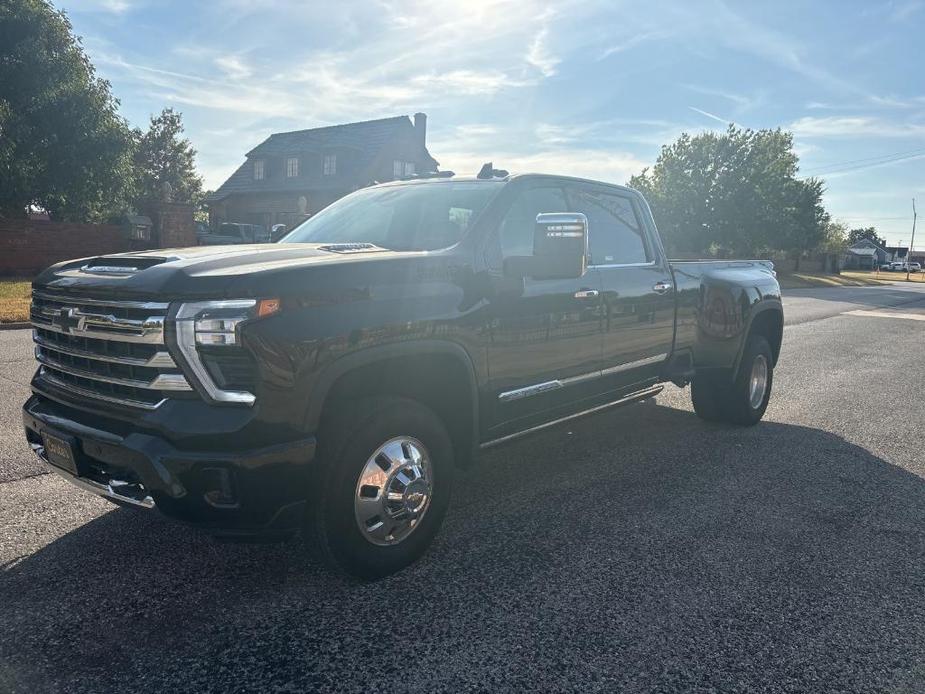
pixel 60 453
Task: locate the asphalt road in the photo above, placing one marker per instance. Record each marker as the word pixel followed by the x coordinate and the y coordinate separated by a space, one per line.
pixel 637 550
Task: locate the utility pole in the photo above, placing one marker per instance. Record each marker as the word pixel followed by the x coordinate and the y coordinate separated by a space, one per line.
pixel 911 243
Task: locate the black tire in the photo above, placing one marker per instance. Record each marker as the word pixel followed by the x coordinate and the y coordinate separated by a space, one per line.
pixel 719 398
pixel 346 444
pixel 708 392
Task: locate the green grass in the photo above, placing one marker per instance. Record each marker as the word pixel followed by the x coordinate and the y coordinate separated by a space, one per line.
pixel 14 300
pixel 885 276
pixel 803 280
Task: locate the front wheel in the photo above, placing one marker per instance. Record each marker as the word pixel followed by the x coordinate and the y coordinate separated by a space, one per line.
pixel 742 399
pixel 386 478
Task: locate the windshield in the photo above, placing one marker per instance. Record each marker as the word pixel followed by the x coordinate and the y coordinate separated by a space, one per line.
pixel 414 217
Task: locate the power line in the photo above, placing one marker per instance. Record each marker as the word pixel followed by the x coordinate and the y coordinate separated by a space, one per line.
pixel 910 152
pixel 868 165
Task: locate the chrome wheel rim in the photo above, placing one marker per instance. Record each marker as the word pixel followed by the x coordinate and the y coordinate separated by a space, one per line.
pixel 393 491
pixel 758 382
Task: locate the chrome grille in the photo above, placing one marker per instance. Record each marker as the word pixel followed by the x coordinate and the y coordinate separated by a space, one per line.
pixel 105 349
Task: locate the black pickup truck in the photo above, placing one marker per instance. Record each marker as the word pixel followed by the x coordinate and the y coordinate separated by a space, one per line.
pixel 333 381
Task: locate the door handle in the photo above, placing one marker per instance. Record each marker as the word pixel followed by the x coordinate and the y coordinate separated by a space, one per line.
pixel 586 293
pixel 662 287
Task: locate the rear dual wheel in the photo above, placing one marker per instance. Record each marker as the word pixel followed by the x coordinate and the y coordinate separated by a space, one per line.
pixel 742 398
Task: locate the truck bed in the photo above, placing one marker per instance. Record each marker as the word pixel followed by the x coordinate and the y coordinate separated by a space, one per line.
pixel 716 301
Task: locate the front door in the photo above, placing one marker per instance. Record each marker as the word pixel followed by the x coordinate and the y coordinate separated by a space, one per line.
pixel 544 345
pixel 638 292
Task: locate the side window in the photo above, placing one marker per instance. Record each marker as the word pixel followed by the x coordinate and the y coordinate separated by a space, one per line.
pixel 615 234
pixel 518 224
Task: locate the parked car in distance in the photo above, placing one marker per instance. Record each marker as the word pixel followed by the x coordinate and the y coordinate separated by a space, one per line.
pixel 230 233
pixel 278 231
pixel 900 266
pixel 332 383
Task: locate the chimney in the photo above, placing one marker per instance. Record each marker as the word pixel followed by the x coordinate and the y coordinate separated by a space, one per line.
pixel 420 127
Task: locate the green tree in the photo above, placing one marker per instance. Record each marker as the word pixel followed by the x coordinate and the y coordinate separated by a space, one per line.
pixel 63 146
pixel 164 159
pixel 734 193
pixel 835 238
pixel 855 235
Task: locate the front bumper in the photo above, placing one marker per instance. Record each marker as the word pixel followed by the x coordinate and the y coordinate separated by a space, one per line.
pixel 233 492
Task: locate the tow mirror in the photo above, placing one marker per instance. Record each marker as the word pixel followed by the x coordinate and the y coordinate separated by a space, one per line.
pixel 560 248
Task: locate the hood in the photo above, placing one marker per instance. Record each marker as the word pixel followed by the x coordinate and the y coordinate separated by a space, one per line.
pixel 213 271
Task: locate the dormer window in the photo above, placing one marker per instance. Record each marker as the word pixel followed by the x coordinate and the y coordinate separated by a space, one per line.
pixel 292 167
pixel 258 169
pixel 330 164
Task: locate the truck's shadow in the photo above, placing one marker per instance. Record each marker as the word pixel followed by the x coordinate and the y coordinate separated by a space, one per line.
pixel 641 548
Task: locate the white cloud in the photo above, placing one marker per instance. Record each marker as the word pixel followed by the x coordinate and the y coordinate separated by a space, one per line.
pixel 853 126
pixel 539 56
pixel 741 101
pixel 902 11
pixel 233 66
pixel 888 101
pixel 725 121
pixel 636 39
pixel 108 6
pixel 469 81
pixel 602 165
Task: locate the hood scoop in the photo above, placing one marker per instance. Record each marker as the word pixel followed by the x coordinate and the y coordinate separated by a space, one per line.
pixel 350 248
pixel 120 265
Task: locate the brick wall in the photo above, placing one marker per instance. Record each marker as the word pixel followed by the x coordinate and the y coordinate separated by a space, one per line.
pixel 26 247
pixel 173 224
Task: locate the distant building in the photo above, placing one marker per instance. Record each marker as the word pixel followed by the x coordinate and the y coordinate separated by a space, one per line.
pixel 290 176
pixel 864 255
pixel 896 253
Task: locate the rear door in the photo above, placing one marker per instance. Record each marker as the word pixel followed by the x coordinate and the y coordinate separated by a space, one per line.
pixel 544 345
pixel 638 290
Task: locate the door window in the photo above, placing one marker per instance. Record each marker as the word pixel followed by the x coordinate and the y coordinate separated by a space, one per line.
pixel 615 234
pixel 518 225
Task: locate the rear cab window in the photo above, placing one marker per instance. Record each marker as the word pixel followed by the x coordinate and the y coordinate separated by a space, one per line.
pixel 616 234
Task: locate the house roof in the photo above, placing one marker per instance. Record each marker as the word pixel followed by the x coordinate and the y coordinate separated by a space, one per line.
pixel 367 137
pixel 866 243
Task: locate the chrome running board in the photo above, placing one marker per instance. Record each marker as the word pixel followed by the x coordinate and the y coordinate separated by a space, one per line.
pixel 633 397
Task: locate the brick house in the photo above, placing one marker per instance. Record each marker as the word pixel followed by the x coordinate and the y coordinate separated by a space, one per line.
pixel 290 176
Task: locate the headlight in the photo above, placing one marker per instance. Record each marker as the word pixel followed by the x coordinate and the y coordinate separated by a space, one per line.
pixel 216 324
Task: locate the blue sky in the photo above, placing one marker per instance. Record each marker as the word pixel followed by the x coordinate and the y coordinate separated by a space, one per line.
pixel 586 88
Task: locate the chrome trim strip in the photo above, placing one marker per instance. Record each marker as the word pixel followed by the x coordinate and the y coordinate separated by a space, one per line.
pixel 640 395
pixel 151 329
pixel 161 360
pixel 92 486
pixel 546 386
pixel 176 382
pixel 71 300
pixel 635 364
pixel 108 269
pixel 186 341
pixel 611 265
pixel 93 395
pixel 527 391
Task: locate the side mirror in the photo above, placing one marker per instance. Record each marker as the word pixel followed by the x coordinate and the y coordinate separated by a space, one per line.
pixel 560 248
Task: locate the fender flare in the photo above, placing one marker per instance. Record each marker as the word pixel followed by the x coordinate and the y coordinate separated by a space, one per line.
pixel 321 388
pixel 762 307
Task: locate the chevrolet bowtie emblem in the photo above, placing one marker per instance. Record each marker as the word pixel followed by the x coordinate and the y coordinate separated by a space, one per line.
pixel 69 320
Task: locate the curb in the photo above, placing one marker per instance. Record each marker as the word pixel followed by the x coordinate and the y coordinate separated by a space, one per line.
pixel 20 325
